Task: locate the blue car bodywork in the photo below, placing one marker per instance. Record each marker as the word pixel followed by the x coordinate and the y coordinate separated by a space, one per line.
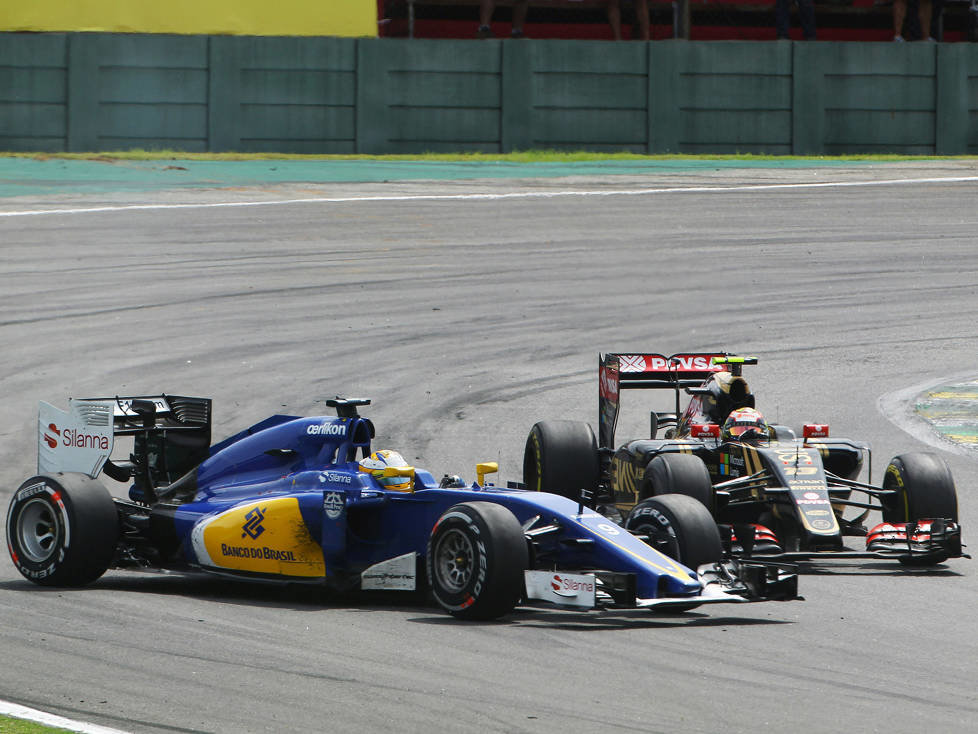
pixel 286 500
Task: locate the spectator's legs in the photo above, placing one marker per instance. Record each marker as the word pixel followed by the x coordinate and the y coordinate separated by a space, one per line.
pixel 519 14
pixel 936 29
pixel 642 13
pixel 782 17
pixel 485 11
pixel 899 14
pixel 806 10
pixel 614 18
pixel 925 12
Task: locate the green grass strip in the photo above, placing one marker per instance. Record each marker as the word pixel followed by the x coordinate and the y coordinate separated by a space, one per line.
pixel 10 725
pixel 529 156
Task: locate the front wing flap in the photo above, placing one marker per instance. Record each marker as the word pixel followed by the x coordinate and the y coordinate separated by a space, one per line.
pixel 920 541
pixel 923 542
pixel 729 581
pixel 748 581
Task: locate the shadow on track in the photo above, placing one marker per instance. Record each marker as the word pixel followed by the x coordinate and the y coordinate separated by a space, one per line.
pixel 881 568
pixel 308 598
pixel 206 588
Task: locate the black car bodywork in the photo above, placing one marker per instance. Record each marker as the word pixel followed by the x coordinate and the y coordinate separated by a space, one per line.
pixel 777 495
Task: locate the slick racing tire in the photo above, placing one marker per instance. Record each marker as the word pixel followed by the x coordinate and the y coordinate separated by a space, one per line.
pixel 62 529
pixel 561 457
pixel 680 527
pixel 477 554
pixel 679 474
pixel 924 489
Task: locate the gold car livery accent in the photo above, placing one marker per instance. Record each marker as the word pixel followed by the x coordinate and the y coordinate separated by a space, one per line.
pixel 822 449
pixel 269 536
pixel 752 459
pixel 625 479
pixel 815 510
pixel 798 462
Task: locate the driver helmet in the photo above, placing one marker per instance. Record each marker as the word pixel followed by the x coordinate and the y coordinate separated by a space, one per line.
pixel 742 421
pixel 378 461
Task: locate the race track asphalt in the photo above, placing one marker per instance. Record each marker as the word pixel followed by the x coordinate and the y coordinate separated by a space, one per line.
pixel 467 309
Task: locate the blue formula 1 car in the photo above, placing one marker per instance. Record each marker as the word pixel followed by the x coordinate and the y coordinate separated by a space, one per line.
pixel 289 500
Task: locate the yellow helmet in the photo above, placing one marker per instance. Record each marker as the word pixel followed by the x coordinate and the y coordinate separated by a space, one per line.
pixel 390 469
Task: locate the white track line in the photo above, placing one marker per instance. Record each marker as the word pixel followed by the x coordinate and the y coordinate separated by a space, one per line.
pixel 490 197
pixel 40 717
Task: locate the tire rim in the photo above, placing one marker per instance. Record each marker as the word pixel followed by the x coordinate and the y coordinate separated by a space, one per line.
pixel 37 530
pixel 453 560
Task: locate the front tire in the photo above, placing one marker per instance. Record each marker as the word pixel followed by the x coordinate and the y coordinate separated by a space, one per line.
pixel 679 527
pixel 62 529
pixel 679 474
pixel 477 554
pixel 924 489
pixel 561 457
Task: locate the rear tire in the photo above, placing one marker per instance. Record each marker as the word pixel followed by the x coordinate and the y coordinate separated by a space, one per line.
pixel 62 529
pixel 561 457
pixel 924 489
pixel 683 474
pixel 477 554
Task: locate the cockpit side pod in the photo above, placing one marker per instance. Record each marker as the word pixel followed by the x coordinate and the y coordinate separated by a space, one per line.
pixel 363 524
pixel 341 492
pixel 274 534
pixel 627 467
pixel 841 457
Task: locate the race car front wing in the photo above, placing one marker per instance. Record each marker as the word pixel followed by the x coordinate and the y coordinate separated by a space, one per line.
pixel 921 542
pixel 730 581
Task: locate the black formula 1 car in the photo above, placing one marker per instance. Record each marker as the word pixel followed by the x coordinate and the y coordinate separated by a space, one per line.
pixel 773 494
pixel 306 500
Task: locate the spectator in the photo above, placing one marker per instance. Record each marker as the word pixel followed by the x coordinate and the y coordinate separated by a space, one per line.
pixel 921 19
pixel 806 12
pixel 937 20
pixel 641 14
pixel 485 17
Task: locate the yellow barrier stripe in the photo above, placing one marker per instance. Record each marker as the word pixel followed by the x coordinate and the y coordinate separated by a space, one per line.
pixel 350 18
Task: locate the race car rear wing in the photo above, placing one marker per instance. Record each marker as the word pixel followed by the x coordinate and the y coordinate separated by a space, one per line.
pixel 618 372
pixel 171 433
pixel 134 414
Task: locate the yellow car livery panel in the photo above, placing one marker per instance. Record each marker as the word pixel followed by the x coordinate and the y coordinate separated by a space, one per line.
pixel 268 537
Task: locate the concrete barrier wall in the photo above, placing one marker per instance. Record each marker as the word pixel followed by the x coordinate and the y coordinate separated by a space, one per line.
pixel 95 91
pixel 34 92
